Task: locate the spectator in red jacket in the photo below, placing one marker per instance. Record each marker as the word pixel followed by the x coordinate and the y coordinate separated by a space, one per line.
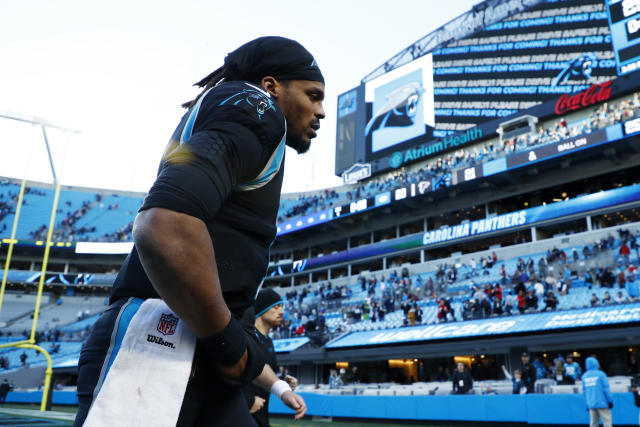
pixel 521 301
pixel 497 291
pixel 443 310
pixel 625 252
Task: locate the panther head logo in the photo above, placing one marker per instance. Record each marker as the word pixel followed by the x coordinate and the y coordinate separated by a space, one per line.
pixel 580 68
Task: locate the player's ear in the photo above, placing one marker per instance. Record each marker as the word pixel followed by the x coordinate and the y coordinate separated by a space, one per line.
pixel 271 85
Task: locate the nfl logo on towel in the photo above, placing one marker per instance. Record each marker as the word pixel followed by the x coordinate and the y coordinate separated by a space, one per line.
pixel 167 324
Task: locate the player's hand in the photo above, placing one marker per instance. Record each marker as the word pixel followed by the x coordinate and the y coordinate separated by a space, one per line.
pixel 292 381
pixel 258 403
pixel 235 370
pixel 294 402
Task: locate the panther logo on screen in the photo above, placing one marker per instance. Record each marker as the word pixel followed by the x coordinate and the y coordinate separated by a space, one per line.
pixel 399 109
pixel 347 102
pixel 579 68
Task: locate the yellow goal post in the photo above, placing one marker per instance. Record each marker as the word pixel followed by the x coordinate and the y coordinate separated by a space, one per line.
pixel 30 343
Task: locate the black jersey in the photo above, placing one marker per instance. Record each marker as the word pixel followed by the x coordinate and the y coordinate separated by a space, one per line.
pixel 224 164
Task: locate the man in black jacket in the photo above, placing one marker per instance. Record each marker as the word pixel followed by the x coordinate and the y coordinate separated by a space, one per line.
pixel 531 301
pixel 551 301
pixel 5 388
pixel 528 373
pixel 462 381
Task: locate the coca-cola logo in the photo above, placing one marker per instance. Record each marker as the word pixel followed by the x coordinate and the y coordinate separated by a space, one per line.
pixel 596 93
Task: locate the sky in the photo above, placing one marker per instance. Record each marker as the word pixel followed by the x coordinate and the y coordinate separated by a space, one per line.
pixel 114 73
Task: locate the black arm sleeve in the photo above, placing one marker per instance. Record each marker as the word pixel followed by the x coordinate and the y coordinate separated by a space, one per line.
pixel 199 174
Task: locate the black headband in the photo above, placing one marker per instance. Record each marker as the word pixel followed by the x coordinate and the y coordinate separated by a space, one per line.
pixel 282 58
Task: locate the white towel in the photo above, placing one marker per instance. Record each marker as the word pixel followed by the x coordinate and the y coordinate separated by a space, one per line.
pixel 147 381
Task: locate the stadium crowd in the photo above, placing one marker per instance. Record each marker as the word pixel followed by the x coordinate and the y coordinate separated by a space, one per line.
pixel 439 170
pixel 533 286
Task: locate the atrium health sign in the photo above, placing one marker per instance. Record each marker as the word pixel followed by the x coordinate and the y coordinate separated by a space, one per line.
pixel 624 313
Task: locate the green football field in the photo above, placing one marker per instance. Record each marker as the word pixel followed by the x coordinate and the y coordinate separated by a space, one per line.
pixel 31 421
pixel 30 416
pixel 288 422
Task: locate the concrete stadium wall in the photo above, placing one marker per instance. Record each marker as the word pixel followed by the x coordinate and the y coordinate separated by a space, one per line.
pixel 552 409
pixel 25 377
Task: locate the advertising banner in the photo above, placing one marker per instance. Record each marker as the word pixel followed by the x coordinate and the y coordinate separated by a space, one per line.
pixel 289 344
pixel 619 314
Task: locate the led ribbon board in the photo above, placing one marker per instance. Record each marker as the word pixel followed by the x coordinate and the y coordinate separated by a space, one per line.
pixel 289 344
pixel 620 314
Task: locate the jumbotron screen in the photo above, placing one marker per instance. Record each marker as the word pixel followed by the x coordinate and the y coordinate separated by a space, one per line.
pixel 528 58
pixel 624 18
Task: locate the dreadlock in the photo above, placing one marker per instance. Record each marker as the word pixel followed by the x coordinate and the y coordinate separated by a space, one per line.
pixel 207 83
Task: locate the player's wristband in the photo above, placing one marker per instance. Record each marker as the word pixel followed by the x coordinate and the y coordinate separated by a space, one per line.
pixel 228 345
pixel 279 387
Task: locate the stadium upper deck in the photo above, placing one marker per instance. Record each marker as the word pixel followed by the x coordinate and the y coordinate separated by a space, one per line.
pixel 98 215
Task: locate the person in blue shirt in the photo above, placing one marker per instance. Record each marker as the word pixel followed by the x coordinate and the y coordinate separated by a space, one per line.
pixel 633 289
pixel 597 394
pixel 334 380
pixel 541 369
pixel 636 397
pixel 572 368
pixel 518 385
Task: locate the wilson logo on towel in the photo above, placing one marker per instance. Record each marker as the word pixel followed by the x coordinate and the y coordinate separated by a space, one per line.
pixel 167 324
pixel 158 340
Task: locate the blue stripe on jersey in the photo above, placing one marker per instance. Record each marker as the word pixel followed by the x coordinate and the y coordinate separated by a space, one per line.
pixel 125 314
pixel 125 319
pixel 271 169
